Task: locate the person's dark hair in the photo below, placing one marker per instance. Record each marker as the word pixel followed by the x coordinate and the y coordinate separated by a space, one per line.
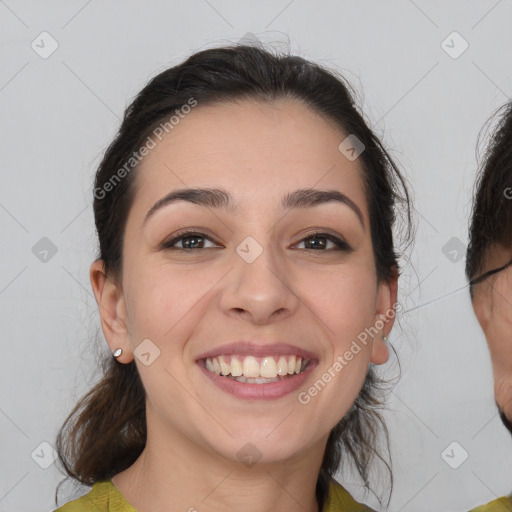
pixel 106 431
pixel 491 215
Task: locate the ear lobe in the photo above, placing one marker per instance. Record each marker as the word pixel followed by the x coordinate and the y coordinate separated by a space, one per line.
pixel 380 351
pixel 110 299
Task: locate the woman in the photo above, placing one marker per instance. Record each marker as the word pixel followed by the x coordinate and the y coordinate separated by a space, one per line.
pixel 246 281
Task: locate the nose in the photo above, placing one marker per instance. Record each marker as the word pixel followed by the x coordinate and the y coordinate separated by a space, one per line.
pixel 259 291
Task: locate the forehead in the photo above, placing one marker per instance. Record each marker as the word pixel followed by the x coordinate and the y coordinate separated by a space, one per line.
pixel 257 150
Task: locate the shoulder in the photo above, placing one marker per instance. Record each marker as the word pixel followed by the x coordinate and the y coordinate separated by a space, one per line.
pixel 499 505
pixel 103 496
pixel 339 500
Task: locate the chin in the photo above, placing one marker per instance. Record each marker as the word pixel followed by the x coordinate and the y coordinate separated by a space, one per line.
pixel 273 430
pixel 257 448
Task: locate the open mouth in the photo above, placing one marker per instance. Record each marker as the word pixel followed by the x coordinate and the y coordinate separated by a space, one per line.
pixel 256 370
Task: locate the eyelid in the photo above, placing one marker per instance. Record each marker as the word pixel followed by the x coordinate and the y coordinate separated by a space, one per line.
pixel 330 235
pixel 187 232
pixel 338 240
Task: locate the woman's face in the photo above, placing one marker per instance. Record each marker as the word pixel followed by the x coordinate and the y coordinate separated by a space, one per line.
pixel 492 302
pixel 252 290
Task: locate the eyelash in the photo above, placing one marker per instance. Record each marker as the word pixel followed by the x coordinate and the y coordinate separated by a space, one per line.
pixel 341 244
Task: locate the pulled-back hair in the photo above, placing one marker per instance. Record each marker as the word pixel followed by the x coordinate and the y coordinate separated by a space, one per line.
pixel 106 431
pixel 491 216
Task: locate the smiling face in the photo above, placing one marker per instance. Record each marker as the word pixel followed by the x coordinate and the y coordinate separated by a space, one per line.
pixel 492 302
pixel 271 281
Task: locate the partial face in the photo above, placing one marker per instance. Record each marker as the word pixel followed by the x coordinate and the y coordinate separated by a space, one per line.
pixel 253 305
pixel 492 302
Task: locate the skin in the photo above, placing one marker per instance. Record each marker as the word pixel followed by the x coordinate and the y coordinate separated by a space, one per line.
pixel 492 303
pixel 187 303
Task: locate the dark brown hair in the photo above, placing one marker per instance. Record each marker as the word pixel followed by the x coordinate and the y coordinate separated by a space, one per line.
pixel 491 216
pixel 106 431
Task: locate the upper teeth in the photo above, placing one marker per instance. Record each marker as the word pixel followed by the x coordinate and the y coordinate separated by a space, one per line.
pixel 250 366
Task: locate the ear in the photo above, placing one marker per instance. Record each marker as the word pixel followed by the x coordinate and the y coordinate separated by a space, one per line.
pixel 384 317
pixel 110 299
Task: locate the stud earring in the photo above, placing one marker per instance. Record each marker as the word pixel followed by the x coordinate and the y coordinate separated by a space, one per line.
pixel 386 339
pixel 117 352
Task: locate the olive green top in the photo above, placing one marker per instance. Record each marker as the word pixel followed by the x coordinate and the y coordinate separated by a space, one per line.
pixel 499 505
pixel 106 497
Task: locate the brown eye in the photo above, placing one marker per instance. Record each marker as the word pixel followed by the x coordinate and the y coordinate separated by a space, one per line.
pixel 320 241
pixel 189 240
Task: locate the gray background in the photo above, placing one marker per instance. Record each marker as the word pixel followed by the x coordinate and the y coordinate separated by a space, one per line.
pixel 59 113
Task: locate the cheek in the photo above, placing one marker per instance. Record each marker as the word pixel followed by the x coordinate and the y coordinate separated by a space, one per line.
pixel 499 338
pixel 345 306
pixel 345 302
pixel 165 309
pixel 161 301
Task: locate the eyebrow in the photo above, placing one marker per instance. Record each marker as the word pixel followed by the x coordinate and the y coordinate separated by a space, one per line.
pixel 220 198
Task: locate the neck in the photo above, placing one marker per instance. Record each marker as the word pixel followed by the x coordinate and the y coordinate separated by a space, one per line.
pixel 175 474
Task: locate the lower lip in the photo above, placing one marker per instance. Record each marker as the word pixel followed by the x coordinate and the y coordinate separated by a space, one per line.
pixel 270 391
